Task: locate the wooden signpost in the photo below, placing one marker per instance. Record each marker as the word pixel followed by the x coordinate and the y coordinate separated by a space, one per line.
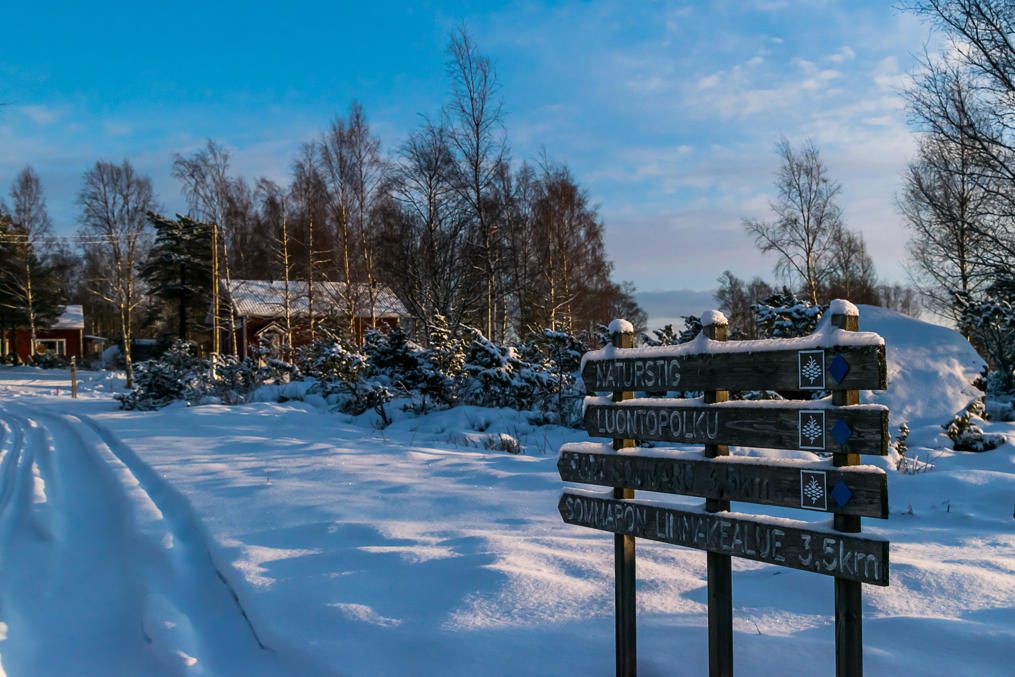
pixel 837 358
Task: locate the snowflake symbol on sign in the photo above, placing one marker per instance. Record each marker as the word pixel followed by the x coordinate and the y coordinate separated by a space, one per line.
pixel 811 430
pixel 813 490
pixel 811 370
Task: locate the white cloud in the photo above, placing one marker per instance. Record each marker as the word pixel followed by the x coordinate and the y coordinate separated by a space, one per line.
pixel 118 128
pixel 709 82
pixel 844 54
pixel 41 115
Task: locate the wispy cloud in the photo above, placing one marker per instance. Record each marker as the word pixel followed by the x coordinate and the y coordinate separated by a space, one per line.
pixel 41 115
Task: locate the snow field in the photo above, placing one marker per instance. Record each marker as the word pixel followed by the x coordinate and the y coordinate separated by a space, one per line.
pixel 184 536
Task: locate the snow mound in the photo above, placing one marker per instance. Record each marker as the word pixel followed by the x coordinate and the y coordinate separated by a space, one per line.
pixel 930 368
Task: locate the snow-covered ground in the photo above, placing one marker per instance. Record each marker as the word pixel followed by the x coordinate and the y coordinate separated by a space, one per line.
pixel 283 539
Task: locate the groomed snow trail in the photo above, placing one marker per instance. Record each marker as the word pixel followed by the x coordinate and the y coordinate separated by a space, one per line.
pixel 104 568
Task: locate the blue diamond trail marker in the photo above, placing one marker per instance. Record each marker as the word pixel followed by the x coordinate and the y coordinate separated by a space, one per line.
pixel 841 431
pixel 838 368
pixel 841 493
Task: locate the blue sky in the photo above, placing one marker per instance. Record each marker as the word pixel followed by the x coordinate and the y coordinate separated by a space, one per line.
pixel 668 112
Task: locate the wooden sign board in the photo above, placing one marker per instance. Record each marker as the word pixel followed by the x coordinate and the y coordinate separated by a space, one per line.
pixel 838 367
pixel 772 541
pixel 820 487
pixel 859 429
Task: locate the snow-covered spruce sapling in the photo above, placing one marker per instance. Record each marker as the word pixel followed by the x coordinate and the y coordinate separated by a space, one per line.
pixel 901 446
pixel 498 377
pixel 784 315
pixel 442 365
pixel 395 359
pixel 989 322
pixel 343 372
pixel 967 435
pixel 178 374
pixel 558 356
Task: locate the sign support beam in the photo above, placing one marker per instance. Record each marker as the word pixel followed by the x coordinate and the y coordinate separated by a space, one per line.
pixel 623 549
pixel 720 567
pixel 848 595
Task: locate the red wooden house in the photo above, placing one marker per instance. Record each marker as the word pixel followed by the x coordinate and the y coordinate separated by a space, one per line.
pixel 258 307
pixel 64 338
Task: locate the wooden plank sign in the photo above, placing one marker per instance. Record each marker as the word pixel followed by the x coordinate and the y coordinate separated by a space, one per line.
pixel 861 429
pixel 836 358
pixel 741 367
pixel 812 486
pixel 788 543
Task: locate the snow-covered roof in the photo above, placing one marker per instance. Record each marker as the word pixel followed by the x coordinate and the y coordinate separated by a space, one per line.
pixel 73 317
pixel 266 298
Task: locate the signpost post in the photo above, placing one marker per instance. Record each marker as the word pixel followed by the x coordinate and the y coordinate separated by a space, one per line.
pixel 622 336
pixel 836 358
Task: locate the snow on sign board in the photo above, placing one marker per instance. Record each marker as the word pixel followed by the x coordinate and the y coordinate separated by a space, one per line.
pixel 828 364
pixel 835 358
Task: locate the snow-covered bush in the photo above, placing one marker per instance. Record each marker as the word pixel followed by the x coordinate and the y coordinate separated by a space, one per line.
pixel 442 366
pixel 178 374
pixel 458 367
pixel 901 446
pixel 967 435
pixel 784 315
pixel 49 360
pixel 989 322
pixel 498 377
pixel 557 355
pixel 395 359
pixel 236 380
pixel 344 372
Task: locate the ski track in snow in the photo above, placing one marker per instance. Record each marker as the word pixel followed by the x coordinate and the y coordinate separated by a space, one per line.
pixel 104 569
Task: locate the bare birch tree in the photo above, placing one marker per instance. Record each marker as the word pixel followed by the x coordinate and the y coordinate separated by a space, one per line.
pixel 274 210
pixel 425 231
pixel 368 174
pixel 30 231
pixel 478 138
pixel 206 185
pixel 337 161
pixel 807 218
pixel 948 215
pixel 309 197
pixel 114 201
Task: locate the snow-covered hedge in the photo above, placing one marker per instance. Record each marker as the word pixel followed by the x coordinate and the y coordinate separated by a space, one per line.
pixel 462 367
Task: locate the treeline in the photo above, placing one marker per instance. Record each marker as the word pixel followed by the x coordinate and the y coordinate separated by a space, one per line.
pixel 447 220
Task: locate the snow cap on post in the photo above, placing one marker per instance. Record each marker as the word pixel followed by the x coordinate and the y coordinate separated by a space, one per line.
pixel 620 327
pixel 837 307
pixel 713 318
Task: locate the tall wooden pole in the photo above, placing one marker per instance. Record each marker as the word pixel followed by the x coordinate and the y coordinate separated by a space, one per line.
pixel 73 376
pixel 848 597
pixel 720 578
pixel 623 548
pixel 214 296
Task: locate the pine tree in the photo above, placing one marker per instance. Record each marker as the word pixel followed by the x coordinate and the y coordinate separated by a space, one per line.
pixel 177 269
